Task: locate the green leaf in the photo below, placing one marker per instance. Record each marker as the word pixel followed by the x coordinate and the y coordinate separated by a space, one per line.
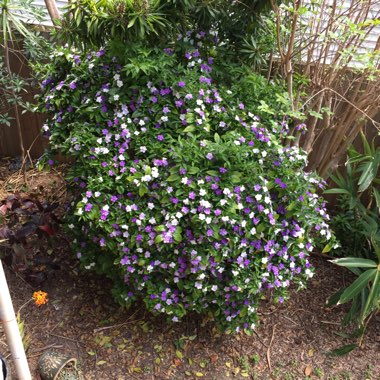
pixel 366 146
pixel 373 296
pixel 173 178
pixel 356 287
pixel 343 350
pixel 376 193
pixel 327 248
pixel 179 354
pixel 337 191
pixel 143 190
pixel 354 262
pixel 193 170
pixel 317 115
pixel 190 128
pixel 334 299
pixel 366 178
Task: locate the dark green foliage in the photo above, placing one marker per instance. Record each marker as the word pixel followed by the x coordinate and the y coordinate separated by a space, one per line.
pixel 357 225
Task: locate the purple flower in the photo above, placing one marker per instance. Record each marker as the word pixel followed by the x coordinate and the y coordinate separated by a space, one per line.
pixel 88 207
pixel 181 84
pixel 160 137
pixel 209 156
pixel 168 51
pixel 73 85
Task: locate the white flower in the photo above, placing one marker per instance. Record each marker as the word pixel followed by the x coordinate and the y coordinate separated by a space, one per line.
pixel 184 180
pixel 143 149
pixel 116 97
pixel 258 197
pixel 155 173
pixel 208 220
pixel 150 206
pixel 202 216
pixel 164 118
pixel 309 273
pixel 214 288
pixel 202 192
pixel 119 83
pixel 264 260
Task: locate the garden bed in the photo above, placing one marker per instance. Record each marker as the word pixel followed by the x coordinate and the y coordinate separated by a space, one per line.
pixel 81 319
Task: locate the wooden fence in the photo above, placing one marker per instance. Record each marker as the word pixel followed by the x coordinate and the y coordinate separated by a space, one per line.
pixel 31 123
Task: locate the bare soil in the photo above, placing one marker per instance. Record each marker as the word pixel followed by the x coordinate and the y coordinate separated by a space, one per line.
pixel 81 319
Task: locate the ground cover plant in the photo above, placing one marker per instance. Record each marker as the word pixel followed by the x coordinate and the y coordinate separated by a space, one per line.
pixel 186 199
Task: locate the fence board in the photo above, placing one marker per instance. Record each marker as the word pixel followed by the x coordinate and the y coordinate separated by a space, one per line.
pixel 31 123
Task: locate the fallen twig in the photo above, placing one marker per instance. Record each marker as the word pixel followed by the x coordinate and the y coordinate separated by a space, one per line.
pixel 268 350
pixel 38 350
pixel 65 337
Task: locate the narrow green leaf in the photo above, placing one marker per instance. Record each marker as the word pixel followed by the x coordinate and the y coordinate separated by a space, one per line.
pixel 373 297
pixel 334 299
pixel 343 350
pixel 354 262
pixel 366 178
pixel 356 287
pixel 337 191
pixel 376 193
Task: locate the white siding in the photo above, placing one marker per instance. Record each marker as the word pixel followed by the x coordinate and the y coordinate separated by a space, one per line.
pixel 41 3
pixel 366 46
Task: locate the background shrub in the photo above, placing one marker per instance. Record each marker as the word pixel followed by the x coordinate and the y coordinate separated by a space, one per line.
pixel 186 198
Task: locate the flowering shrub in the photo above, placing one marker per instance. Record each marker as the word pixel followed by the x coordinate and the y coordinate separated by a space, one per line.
pixel 186 199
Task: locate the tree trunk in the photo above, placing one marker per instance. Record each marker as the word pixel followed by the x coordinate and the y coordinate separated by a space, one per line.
pixel 53 11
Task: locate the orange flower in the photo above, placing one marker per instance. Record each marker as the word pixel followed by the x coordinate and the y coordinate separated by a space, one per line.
pixel 40 298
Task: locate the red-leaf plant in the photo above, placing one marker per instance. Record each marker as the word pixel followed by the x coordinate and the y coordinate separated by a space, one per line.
pixel 21 219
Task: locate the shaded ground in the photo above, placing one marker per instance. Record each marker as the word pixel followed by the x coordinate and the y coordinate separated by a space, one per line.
pixel 82 320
